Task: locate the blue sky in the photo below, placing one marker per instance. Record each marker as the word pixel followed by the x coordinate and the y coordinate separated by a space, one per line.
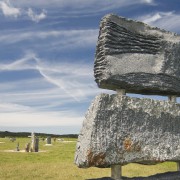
pixel 47 53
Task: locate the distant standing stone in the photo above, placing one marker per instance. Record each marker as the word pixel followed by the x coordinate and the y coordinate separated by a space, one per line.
pixel 12 139
pixel 36 148
pixel 17 147
pixel 34 143
pixel 49 140
pixel 27 147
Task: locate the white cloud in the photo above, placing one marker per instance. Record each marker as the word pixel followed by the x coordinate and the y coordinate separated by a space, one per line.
pixel 166 20
pixel 20 64
pixel 76 7
pixel 81 6
pixel 153 18
pixel 148 1
pixel 78 3
pixel 36 17
pixel 51 99
pixel 9 10
pixel 60 84
pixel 20 119
pixel 12 107
pixel 73 81
pixel 61 39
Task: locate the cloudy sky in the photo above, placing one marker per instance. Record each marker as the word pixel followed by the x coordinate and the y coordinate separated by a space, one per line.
pixel 46 57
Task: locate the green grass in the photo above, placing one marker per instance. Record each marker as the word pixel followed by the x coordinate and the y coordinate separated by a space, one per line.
pixel 57 163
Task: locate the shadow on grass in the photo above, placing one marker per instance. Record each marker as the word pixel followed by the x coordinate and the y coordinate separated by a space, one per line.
pixel 163 176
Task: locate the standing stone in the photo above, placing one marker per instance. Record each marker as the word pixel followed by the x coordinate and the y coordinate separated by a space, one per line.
pixel 49 140
pixel 34 143
pixel 139 58
pixel 27 147
pixel 17 147
pixel 12 139
pixel 121 130
pixel 36 148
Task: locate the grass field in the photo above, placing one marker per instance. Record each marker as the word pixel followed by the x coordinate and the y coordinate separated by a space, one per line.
pixel 57 163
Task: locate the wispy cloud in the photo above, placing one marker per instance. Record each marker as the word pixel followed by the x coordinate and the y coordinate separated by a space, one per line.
pixel 151 19
pixel 80 6
pixel 13 107
pixel 36 17
pixel 62 39
pixel 9 10
pixel 45 100
pixel 166 20
pixel 20 119
pixel 76 82
pixel 20 64
pixel 37 106
pixel 76 7
pixel 148 1
pixel 79 3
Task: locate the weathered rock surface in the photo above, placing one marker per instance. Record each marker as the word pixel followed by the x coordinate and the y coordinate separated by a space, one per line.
pixel 120 130
pixel 134 56
pixel 163 176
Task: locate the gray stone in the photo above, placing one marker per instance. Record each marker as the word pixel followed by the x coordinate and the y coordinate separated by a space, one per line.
pixel 27 147
pixel 163 176
pixel 49 140
pixel 34 143
pixel 17 147
pixel 134 56
pixel 121 130
pixel 12 139
pixel 36 147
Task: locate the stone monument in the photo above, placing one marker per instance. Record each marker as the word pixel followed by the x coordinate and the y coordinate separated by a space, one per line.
pixel 132 57
pixel 27 147
pixel 49 140
pixel 17 147
pixel 34 143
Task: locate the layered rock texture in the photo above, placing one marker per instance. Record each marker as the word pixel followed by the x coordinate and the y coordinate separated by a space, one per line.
pixel 120 130
pixel 134 56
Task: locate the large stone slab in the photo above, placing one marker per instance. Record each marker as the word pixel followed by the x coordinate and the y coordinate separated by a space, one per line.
pixel 120 130
pixel 134 56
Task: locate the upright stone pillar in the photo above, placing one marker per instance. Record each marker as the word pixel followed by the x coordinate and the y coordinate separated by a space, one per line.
pixel 49 140
pixel 27 147
pixel 34 143
pixel 36 146
pixel 116 172
pixel 17 147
